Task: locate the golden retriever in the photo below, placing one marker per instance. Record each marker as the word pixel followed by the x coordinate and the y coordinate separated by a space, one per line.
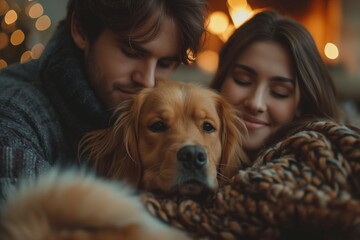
pixel 176 137
pixel 76 205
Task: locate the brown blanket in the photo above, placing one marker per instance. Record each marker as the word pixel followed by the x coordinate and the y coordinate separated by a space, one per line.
pixel 305 187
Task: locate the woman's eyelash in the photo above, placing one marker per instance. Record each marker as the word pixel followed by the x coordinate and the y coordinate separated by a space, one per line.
pixel 241 82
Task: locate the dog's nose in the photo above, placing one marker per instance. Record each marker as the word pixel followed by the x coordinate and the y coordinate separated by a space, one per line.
pixel 192 156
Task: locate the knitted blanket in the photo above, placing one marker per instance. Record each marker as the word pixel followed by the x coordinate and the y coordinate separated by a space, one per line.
pixel 305 187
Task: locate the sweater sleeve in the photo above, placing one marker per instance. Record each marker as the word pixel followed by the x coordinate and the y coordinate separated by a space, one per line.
pixel 29 133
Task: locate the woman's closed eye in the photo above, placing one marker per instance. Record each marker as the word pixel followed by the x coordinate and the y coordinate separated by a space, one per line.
pixel 242 80
pixel 281 92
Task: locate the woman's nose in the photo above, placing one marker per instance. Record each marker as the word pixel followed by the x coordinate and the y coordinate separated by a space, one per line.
pixel 144 74
pixel 256 101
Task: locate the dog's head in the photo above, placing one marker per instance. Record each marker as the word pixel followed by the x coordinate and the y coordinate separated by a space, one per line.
pixel 175 137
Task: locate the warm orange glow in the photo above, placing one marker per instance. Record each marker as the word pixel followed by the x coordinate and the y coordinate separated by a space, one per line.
pixel 17 37
pixel 37 51
pixel 10 17
pixel 240 15
pixel 35 10
pixel 26 56
pixel 237 4
pixel 331 51
pixel 228 32
pixel 4 40
pixel 208 61
pixel 3 63
pixel 218 22
pixel 43 23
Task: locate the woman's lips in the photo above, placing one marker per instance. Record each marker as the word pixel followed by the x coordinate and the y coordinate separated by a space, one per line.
pixel 254 123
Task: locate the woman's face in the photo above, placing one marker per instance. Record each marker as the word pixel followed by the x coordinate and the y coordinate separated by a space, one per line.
pixel 262 86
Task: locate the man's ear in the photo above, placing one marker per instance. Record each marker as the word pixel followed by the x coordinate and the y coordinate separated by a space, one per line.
pixel 77 34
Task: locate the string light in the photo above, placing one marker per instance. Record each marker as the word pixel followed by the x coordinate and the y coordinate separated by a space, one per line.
pixel 35 10
pixel 43 23
pixel 218 22
pixel 20 28
pixel 10 17
pixel 3 63
pixel 331 51
pixel 222 25
pixel 26 56
pixel 17 37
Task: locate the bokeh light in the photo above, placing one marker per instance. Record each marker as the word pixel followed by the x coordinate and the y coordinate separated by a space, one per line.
pixel 331 51
pixel 237 4
pixel 43 23
pixel 208 61
pixel 218 22
pixel 37 50
pixel 3 63
pixel 26 56
pixel 10 17
pixel 17 37
pixel 240 15
pixel 35 10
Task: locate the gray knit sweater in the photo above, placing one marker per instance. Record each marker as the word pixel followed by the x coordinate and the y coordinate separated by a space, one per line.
pixel 46 105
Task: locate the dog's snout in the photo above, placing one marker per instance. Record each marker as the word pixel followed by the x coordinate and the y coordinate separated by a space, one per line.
pixel 192 156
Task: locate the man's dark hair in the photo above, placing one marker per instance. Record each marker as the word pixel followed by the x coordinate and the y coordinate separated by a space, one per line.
pixel 140 20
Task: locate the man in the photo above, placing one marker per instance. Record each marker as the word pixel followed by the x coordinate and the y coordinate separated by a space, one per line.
pixel 105 51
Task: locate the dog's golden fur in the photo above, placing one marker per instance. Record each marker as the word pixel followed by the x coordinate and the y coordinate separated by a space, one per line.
pixel 78 206
pixel 143 144
pixel 175 137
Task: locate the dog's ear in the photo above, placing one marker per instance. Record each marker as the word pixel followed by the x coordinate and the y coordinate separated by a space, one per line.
pixel 233 132
pixel 113 151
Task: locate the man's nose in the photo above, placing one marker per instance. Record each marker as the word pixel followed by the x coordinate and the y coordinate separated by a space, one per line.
pixel 144 74
pixel 256 101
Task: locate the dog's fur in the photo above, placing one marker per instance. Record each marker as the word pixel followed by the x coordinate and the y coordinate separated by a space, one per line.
pixel 75 205
pixel 176 137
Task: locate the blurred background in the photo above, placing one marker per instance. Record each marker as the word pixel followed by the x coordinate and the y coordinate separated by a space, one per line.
pixel 27 25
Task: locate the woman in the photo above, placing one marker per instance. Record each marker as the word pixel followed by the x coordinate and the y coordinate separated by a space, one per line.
pixel 271 70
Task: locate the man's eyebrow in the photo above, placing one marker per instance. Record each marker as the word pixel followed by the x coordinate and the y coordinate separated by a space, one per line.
pixel 136 47
pixel 275 78
pixel 144 51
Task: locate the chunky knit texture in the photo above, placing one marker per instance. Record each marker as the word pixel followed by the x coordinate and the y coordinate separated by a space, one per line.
pixel 45 107
pixel 305 187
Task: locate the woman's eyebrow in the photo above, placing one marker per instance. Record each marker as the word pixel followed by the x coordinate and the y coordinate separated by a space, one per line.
pixel 246 68
pixel 283 80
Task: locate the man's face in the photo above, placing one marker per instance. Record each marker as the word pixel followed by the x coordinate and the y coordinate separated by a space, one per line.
pixel 117 70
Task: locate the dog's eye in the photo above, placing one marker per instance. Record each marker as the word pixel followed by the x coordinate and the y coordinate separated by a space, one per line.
pixel 207 127
pixel 158 127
